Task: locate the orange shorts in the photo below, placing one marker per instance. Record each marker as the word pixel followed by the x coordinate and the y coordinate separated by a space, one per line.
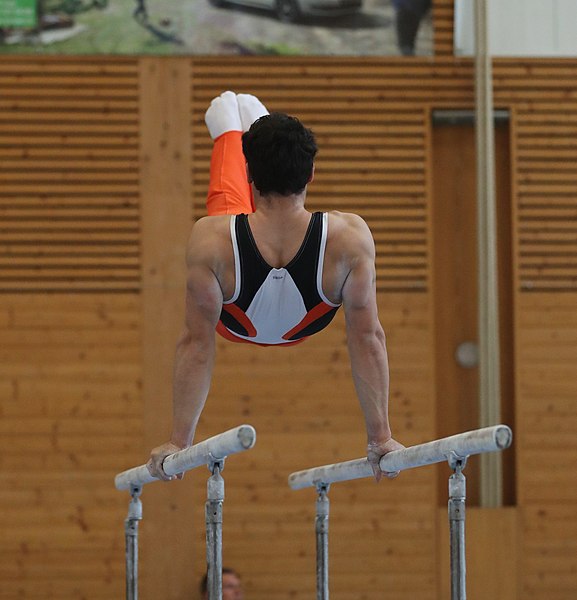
pixel 229 192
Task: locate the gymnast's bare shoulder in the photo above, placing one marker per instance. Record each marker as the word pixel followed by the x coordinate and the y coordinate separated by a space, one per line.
pixel 350 226
pixel 210 246
pixel 349 244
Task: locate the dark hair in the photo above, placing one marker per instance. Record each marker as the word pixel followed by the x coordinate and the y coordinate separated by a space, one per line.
pixel 280 154
pixel 204 581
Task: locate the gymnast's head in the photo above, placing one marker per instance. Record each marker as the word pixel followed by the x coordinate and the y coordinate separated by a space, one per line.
pixel 280 155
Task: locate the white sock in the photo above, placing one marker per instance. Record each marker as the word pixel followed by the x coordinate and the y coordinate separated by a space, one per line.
pixel 250 108
pixel 223 115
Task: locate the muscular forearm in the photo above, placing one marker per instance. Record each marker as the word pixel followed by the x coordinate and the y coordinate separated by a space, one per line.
pixel 192 374
pixel 370 370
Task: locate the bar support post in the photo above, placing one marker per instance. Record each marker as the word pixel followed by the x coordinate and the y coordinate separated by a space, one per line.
pixel 457 497
pixel 213 514
pixel 322 531
pixel 131 542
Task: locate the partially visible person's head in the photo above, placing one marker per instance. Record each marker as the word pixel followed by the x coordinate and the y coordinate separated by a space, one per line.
pixel 231 586
pixel 280 154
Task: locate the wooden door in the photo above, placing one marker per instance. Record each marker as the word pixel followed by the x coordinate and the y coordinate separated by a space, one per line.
pixel 454 225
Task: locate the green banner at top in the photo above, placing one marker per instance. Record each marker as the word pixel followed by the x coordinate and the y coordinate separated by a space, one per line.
pixel 17 13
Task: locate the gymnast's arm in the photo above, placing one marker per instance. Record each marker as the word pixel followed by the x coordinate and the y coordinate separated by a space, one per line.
pixel 195 352
pixel 367 349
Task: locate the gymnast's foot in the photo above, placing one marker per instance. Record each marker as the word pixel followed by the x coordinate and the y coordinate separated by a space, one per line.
pixel 223 115
pixel 250 109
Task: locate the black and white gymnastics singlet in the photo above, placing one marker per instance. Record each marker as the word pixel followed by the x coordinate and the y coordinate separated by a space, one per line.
pixel 277 306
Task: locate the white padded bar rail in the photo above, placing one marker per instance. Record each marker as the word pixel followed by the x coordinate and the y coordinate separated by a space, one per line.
pixel 217 447
pixel 465 444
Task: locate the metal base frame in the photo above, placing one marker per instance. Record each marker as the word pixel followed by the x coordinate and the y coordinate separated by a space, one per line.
pixel 131 542
pixel 213 519
pixel 457 498
pixel 322 532
pixel 456 509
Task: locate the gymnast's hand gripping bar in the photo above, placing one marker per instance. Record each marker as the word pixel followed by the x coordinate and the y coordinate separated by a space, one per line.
pixel 213 449
pixel 488 439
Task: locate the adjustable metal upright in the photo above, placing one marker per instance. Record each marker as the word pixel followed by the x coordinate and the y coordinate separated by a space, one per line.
pixel 213 515
pixel 322 531
pixel 131 541
pixel 457 497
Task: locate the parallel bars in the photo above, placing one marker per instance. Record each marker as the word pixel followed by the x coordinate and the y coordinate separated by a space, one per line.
pixel 454 449
pixel 211 452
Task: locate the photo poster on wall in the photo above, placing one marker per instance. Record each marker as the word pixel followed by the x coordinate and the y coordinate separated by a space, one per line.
pixel 217 27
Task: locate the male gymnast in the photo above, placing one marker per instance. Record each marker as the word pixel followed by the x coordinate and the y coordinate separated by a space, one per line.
pixel 262 269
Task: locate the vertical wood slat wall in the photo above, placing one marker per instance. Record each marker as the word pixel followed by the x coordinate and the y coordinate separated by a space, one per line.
pixel 70 387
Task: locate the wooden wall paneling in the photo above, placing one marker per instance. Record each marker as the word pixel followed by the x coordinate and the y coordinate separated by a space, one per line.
pixel 547 209
pixel 546 449
pixel 71 390
pixel 378 172
pixel 443 22
pixel 70 406
pixel 166 191
pixel 546 248
pixel 68 175
pixel 545 254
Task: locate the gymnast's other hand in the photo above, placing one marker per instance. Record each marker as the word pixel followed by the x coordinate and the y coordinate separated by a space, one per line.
pixel 157 456
pixel 376 450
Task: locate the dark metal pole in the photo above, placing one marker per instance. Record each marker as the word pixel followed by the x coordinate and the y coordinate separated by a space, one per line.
pixel 131 539
pixel 213 513
pixel 322 531
pixel 457 497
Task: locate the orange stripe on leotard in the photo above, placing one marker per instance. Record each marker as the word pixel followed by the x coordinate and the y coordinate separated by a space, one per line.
pixel 231 337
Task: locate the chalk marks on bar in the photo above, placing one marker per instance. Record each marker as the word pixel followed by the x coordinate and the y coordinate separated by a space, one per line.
pixel 488 439
pixel 217 447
